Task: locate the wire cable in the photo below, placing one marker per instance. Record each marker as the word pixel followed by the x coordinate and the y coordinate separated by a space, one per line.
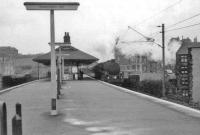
pixel 183 27
pixel 153 16
pixel 179 22
pixel 152 35
pixel 129 27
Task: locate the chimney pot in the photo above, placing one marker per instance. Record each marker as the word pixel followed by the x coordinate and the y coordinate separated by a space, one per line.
pixel 67 38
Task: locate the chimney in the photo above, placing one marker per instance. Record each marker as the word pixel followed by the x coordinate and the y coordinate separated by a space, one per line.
pixel 67 38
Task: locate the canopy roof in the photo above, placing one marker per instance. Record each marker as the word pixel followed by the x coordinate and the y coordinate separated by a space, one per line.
pixel 70 54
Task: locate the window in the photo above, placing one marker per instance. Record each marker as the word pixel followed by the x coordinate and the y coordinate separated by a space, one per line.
pixel 129 60
pixel 138 59
pixel 183 58
pixel 144 59
pixel 138 67
pixel 133 67
pixel 184 71
pixel 184 81
pixel 184 67
pixel 144 68
pixel 133 59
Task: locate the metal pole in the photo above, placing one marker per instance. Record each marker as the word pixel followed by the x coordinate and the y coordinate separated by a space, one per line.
pixel 53 65
pixel 163 59
pixel 60 62
pixel 63 67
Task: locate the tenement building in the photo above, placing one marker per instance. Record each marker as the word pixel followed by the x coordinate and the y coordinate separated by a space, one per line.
pixel 188 69
pixel 194 72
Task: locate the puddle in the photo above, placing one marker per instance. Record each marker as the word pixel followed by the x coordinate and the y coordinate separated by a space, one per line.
pixel 100 129
pixel 69 109
pixel 80 122
pixel 116 133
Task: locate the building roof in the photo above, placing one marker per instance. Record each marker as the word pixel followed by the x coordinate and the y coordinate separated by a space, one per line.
pixel 70 54
pixel 187 43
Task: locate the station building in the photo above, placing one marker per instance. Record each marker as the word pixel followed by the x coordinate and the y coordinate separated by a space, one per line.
pixel 73 59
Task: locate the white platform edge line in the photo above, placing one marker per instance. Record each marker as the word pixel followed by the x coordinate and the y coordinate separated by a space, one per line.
pixel 17 86
pixel 153 98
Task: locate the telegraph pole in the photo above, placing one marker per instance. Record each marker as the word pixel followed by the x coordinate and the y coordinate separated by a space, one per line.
pixel 163 60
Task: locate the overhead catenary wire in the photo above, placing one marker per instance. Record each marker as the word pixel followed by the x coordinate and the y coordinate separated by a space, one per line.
pixel 153 16
pixel 129 27
pixel 182 27
pixel 156 33
pixel 179 22
pixel 152 35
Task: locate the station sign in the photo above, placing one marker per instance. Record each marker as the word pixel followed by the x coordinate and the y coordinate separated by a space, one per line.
pixel 51 5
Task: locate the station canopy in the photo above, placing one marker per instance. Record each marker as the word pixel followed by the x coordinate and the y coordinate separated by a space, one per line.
pixel 70 54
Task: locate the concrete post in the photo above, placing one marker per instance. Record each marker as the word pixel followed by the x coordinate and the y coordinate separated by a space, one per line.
pixel 17 121
pixel 53 65
pixel 3 118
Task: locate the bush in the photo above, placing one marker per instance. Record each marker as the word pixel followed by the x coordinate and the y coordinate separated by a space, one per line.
pixel 126 83
pixel 9 81
pixel 152 87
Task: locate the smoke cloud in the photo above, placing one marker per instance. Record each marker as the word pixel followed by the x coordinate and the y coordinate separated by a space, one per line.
pixel 152 50
pixel 133 49
pixel 171 49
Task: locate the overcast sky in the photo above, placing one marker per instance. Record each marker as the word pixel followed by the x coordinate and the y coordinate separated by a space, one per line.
pixel 95 25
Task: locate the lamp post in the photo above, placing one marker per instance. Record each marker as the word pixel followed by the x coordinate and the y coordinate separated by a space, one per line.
pixel 51 6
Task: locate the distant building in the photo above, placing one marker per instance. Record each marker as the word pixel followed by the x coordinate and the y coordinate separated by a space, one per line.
pixel 187 68
pixel 139 65
pixel 7 60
